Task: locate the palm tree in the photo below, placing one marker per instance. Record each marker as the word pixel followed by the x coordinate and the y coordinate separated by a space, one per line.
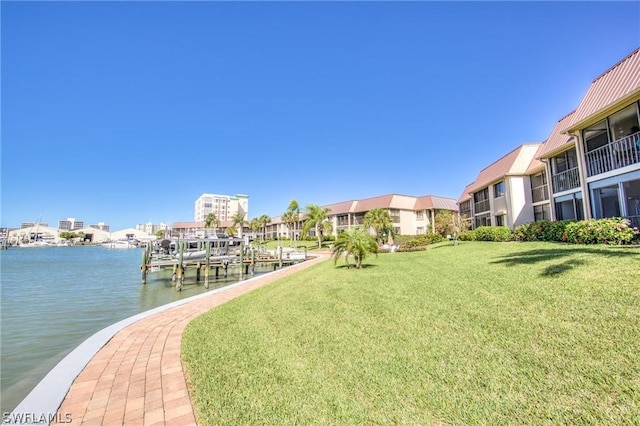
pixel 238 219
pixel 255 225
pixel 357 243
pixel 293 214
pixel 289 219
pixel 212 220
pixel 381 222
pixel 316 216
pixel 231 231
pixel 264 221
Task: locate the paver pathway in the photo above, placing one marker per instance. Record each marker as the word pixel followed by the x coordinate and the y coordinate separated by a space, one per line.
pixel 137 377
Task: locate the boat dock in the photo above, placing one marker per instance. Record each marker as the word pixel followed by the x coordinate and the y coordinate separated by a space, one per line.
pixel 211 257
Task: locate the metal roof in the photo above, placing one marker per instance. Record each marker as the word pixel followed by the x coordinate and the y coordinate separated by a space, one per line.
pixel 514 163
pixel 612 87
pixel 429 202
pixel 557 140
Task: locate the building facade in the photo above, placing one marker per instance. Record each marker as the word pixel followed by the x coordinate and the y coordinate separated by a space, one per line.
pixel 224 207
pixel 410 215
pixel 589 167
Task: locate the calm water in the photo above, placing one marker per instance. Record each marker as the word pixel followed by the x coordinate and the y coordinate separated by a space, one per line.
pixel 53 298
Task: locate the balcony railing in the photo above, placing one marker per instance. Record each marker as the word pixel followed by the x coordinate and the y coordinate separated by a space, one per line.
pixel 482 206
pixel 540 193
pixel 566 180
pixel 615 155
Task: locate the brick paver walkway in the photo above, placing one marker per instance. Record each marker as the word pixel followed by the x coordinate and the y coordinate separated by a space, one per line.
pixel 137 377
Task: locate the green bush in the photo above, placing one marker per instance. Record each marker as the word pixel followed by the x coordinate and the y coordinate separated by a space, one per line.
pixel 419 242
pixel 493 233
pixel 600 231
pixel 467 236
pixel 544 230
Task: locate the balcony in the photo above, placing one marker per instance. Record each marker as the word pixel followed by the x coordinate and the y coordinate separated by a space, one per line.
pixel 540 193
pixel 615 155
pixel 566 180
pixel 482 206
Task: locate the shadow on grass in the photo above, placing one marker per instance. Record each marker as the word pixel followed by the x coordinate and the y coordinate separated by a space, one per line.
pixel 531 257
pixel 353 266
pixel 541 255
pixel 561 268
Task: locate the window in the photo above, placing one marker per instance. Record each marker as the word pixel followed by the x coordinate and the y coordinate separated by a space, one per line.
pixel 420 215
pixel 539 189
pixel 483 220
pixel 566 161
pixel 596 136
pixel 500 220
pixel 465 208
pixel 498 189
pixel 542 212
pixel 569 207
pixel 624 122
pixel 606 202
pixel 481 199
pixel 420 230
pixel 395 215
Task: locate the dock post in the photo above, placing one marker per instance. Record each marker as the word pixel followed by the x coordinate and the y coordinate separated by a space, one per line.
pixel 180 269
pixel 305 252
pixel 207 264
pixel 198 267
pixel 280 256
pixel 253 262
pixel 241 258
pixel 143 267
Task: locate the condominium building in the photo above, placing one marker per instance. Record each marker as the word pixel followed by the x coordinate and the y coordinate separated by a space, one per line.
pixel 70 224
pixel 501 194
pixel 224 207
pixel 410 215
pixel 591 160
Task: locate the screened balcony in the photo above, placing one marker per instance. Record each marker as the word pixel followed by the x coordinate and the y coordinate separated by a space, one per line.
pixel 615 155
pixel 566 180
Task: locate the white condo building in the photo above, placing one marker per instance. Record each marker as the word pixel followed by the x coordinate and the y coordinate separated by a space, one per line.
pixel 224 207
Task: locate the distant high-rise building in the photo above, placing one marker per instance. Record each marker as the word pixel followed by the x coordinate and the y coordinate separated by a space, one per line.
pixel 152 228
pixel 101 226
pixel 70 224
pixel 224 207
pixel 30 224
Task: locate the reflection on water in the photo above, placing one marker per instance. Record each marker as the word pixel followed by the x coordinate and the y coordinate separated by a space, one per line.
pixel 53 298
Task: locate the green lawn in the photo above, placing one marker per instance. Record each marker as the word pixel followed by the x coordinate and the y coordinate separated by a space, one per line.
pixel 481 333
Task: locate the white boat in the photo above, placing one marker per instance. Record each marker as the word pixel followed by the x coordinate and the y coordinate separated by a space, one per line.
pixel 35 243
pixel 119 244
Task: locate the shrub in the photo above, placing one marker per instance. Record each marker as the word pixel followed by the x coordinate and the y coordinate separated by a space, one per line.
pixel 420 242
pixel 544 230
pixel 467 236
pixel 493 233
pixel 600 231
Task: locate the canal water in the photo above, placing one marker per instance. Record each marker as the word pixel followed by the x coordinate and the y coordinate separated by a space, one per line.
pixel 53 298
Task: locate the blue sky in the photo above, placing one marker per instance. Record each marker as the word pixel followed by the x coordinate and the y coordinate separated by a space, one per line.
pixel 126 112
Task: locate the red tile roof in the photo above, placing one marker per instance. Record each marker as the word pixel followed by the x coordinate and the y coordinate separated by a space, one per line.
pixel 618 83
pixel 557 140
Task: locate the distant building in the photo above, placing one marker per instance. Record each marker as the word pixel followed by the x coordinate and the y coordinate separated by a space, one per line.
pixel 30 224
pixel 225 207
pixel 152 228
pixel 101 226
pixel 70 224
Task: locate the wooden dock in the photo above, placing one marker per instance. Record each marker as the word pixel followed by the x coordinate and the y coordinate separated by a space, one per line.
pixel 218 264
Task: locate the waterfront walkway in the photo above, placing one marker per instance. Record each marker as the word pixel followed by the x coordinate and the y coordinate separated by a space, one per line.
pixel 137 377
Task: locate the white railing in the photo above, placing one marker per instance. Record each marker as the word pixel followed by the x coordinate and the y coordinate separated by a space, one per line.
pixel 566 180
pixel 615 155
